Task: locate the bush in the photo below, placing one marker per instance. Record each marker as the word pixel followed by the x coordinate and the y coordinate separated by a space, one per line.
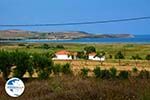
pixel 66 69
pixel 134 70
pixel 45 46
pixel 144 74
pixel 97 71
pixel 105 74
pixel 43 75
pixel 57 69
pixel 123 74
pixel 21 44
pixel 113 72
pixel 84 72
pixel 60 47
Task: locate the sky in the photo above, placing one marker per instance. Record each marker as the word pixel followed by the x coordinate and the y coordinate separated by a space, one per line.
pixel 66 11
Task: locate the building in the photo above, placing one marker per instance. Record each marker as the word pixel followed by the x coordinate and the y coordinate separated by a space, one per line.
pixel 92 56
pixel 64 55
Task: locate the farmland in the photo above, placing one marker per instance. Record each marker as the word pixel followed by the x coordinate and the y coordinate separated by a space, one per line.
pixel 89 80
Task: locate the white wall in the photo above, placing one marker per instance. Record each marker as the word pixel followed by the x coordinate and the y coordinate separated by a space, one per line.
pixel 63 57
pixel 96 58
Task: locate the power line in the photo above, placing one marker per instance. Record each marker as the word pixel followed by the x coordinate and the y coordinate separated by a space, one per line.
pixel 77 23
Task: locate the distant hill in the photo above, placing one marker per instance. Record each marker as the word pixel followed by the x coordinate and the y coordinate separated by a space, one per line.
pixel 21 34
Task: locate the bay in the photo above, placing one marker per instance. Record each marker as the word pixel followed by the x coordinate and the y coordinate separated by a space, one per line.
pixel 142 39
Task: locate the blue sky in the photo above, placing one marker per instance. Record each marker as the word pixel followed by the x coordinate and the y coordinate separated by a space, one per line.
pixel 62 11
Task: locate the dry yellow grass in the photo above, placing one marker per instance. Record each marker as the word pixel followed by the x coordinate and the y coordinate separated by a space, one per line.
pixel 126 64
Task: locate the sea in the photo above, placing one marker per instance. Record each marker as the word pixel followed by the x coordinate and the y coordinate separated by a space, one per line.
pixel 139 39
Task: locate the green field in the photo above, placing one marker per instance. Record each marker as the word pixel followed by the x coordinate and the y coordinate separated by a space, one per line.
pixel 127 49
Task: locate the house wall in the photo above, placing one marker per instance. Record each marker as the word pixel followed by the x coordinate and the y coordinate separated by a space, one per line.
pixel 63 57
pixel 96 58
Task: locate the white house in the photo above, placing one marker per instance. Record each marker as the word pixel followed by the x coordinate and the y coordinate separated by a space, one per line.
pixel 92 56
pixel 63 55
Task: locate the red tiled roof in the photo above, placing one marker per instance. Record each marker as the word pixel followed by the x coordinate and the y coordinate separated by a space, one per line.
pixel 92 54
pixel 63 52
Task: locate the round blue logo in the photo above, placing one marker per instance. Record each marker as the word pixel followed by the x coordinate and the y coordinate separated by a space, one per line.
pixel 14 87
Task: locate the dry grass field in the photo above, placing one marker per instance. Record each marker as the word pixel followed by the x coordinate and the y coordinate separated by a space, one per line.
pixel 125 64
pixel 76 88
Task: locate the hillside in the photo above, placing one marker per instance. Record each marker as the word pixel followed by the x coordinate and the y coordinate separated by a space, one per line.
pixel 21 34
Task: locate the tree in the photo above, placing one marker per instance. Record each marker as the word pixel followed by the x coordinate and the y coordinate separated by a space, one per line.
pixel 23 63
pixel 82 55
pixel 147 57
pixel 43 65
pixel 119 56
pixel 90 49
pixel 100 55
pixel 136 57
pixel 45 46
pixel 6 62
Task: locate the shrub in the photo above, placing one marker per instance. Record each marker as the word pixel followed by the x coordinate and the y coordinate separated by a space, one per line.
pixel 123 74
pixel 97 71
pixel 45 46
pixel 110 56
pixel 43 75
pixel 84 72
pixel 134 70
pixel 105 74
pixel 144 74
pixel 119 56
pixel 60 47
pixel 66 68
pixel 57 69
pixel 113 72
pixel 21 44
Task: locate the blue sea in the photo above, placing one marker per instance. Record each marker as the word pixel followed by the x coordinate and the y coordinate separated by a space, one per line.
pixel 141 39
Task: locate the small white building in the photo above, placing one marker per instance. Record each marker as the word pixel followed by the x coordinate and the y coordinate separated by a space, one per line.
pixel 63 55
pixel 92 56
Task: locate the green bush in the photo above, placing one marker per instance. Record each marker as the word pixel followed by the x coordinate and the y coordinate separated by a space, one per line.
pixel 84 72
pixel 57 69
pixel 105 74
pixel 66 69
pixel 21 44
pixel 124 75
pixel 144 74
pixel 43 75
pixel 97 72
pixel 60 47
pixel 45 46
pixel 134 70
pixel 113 72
